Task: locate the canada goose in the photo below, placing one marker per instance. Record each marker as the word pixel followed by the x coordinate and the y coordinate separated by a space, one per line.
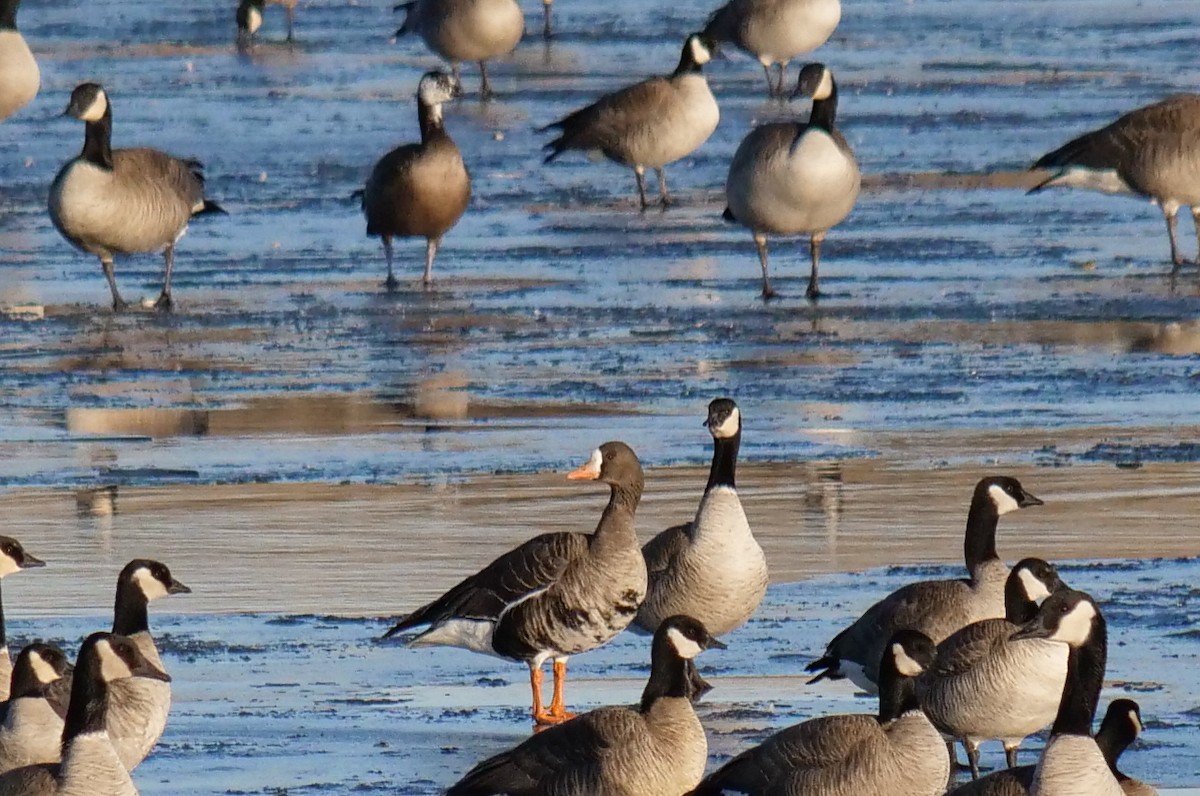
pixel 710 568
pixel 466 30
pixel 648 124
pixel 13 558
pixel 250 17
pixel 656 749
pixel 791 178
pixel 137 709
pixel 19 75
pixel 90 765
pixel 32 726
pixel 1151 151
pixel 937 607
pixel 1072 763
pixel 987 686
pixel 123 201
pixel 775 31
pixel 419 189
pixel 897 752
pixel 554 596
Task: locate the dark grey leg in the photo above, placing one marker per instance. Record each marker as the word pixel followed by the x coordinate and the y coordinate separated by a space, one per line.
pixel 814 288
pixel 164 298
pixel 641 183
pixel 779 89
pixel 1169 215
pixel 291 15
pixel 760 242
pixel 390 283
pixel 547 31
pixel 431 247
pixel 1010 756
pixel 770 80
pixel 485 85
pixel 1196 224
pixel 118 302
pixel 663 196
pixel 972 758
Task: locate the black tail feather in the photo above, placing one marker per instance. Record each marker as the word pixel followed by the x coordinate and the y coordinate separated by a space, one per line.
pixel 210 207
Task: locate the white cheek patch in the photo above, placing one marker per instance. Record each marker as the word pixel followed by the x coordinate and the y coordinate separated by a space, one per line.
pixel 42 670
pixel 1034 588
pixel 682 644
pixel 826 86
pixel 905 664
pixel 253 20
pixel 95 111
pixel 112 665
pixel 1003 501
pixel 700 53
pixel 1136 722
pixel 1076 626
pixel 729 426
pixel 151 586
pixel 8 565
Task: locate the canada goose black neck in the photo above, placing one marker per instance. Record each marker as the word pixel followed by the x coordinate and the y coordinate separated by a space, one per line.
pixel 1085 677
pixel 897 692
pixel 1117 732
pixel 824 111
pixel 3 629
pixel 8 14
pixel 979 544
pixel 1018 607
pixel 88 709
pixel 668 673
pixel 130 614
pixel 430 118
pixel 724 461
pixel 97 140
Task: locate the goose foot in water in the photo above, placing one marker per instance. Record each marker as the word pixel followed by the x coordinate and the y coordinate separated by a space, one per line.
pixel 164 302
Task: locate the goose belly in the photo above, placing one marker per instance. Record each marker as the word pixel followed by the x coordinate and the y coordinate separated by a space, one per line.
pixel 1170 170
pixel 793 27
pixel 1072 765
pixel 91 768
pixel 676 129
pixel 471 30
pixel 32 733
pixel 667 760
pixel 19 75
pixel 137 709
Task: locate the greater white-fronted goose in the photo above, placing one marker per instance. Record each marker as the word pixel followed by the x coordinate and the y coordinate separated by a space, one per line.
pixel 19 75
pixel 556 595
pixel 794 178
pixel 13 558
pixel 123 201
pixel 1153 152
pixel 32 728
pixel 466 30
pixel 656 749
pixel 419 190
pixel 775 31
pixel 937 608
pixel 711 568
pixel 648 124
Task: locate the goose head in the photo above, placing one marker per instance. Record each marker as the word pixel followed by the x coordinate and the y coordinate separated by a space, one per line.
pixel 437 87
pixel 699 49
pixel 910 654
pixel 109 657
pixel 13 557
pixel 685 637
pixel 1067 615
pixel 88 103
pixel 1121 727
pixel 1003 494
pixel 38 665
pixel 816 82
pixel 614 463
pixel 724 418
pixel 1030 582
pixel 249 17
pixel 151 579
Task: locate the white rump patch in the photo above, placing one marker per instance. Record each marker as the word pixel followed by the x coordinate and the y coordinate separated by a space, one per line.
pixel 1076 626
pixel 470 634
pixel 1034 588
pixel 151 586
pixel 682 644
pixel 42 670
pixel 700 54
pixel 1003 501
pixel 112 665
pixel 729 426
pixel 1103 180
pixel 904 664
pixel 95 111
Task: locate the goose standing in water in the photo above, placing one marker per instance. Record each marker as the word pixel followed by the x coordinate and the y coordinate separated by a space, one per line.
pixel 466 30
pixel 32 726
pixel 123 201
pixel 712 567
pixel 90 765
pixel 19 75
pixel 790 178
pixel 1152 152
pixel 937 608
pixel 775 31
pixel 13 558
pixel 648 124
pixel 895 753
pixel 556 595
pixel 656 749
pixel 138 708
pixel 419 190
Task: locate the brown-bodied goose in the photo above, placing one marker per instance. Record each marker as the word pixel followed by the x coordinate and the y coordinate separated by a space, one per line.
pixel 90 765
pixel 987 686
pixel 894 753
pixel 419 190
pixel 1153 152
pixel 656 749
pixel 13 558
pixel 32 728
pixel 937 608
pixel 648 124
pixel 123 201
pixel 712 567
pixel 19 75
pixel 556 595
pixel 138 708
pixel 466 30
pixel 775 31
pixel 792 178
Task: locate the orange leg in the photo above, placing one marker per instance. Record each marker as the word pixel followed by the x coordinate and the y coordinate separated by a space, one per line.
pixel 535 683
pixel 558 708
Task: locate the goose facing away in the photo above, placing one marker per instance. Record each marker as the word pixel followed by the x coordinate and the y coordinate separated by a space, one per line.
pixel 557 594
pixel 987 686
pixel 656 749
pixel 32 727
pixel 90 765
pixel 648 124
pixel 1152 151
pixel 711 568
pixel 775 31
pixel 123 201
pixel 936 608
pixel 790 178
pixel 466 30
pixel 419 190
pixel 896 751
pixel 138 708
pixel 19 75
pixel 13 558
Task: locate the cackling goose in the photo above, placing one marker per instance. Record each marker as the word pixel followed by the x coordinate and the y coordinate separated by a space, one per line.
pixel 466 30
pixel 32 726
pixel 19 75
pixel 13 558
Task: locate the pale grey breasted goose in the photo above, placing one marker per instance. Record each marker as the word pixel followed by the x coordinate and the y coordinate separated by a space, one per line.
pixel 123 201
pixel 554 596
pixel 138 708
pixel 791 178
pixel 19 75
pixel 986 685
pixel 894 753
pixel 1072 763
pixel 90 765
pixel 1153 152
pixel 937 608
pixel 32 727
pixel 711 568
pixel 656 749
pixel 250 18
pixel 648 124
pixel 466 30
pixel 419 190
pixel 13 558
pixel 775 31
